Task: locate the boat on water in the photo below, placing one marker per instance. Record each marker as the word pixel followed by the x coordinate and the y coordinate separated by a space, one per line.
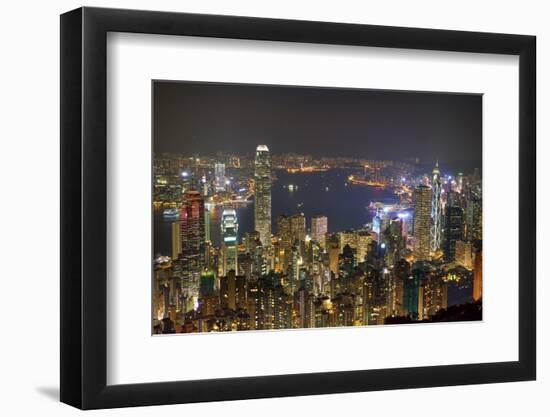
pixel 171 213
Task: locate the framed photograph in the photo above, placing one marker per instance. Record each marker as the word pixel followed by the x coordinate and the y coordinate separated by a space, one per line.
pixel 258 208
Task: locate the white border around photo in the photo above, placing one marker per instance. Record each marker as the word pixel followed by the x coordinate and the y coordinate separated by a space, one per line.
pixel 134 356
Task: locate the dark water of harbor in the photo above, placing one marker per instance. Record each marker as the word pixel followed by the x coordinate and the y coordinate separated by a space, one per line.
pixel 325 193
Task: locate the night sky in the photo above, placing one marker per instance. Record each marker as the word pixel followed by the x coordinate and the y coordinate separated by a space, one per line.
pixel 206 118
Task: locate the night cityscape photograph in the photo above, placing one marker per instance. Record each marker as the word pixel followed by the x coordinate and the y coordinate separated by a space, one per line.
pixel 281 207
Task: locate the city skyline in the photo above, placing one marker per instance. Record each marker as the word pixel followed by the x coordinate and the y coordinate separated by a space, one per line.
pixel 375 124
pixel 247 238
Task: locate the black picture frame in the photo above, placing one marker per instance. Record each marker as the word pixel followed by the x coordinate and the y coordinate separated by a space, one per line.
pixel 84 207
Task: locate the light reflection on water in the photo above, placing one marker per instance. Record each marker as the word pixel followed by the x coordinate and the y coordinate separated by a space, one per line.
pixel 312 193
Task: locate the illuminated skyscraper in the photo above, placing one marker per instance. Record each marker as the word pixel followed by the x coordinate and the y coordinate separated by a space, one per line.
pixel 348 237
pixel 204 186
pixel 284 231
pixel 434 295
pixel 460 182
pixel 474 218
pixel 264 303
pixel 422 221
pixel 305 308
pixel 176 240
pixel 193 248
pixel 241 292
pixel 395 243
pixel 293 271
pixel 401 273
pixel 207 217
pixel 262 200
pixel 435 231
pixel 478 276
pixel 463 251
pixel 319 229
pixel 453 231
pixel 207 283
pixel 298 226
pixel 219 176
pixel 333 244
pixel 228 290
pixel 292 231
pixel 229 238
pixel 364 238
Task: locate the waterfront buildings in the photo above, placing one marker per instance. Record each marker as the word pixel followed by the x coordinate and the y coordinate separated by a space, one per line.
pixel 386 269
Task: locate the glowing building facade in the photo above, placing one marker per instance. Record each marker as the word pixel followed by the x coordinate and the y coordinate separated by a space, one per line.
pixel 229 231
pixel 176 239
pixel 219 176
pixel 193 241
pixel 453 230
pixel 386 271
pixel 478 276
pixel 435 231
pixel 319 229
pixel 464 251
pixel 422 221
pixel 262 202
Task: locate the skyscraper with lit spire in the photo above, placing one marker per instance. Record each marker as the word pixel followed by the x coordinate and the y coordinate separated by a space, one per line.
pixel 435 230
pixel 262 200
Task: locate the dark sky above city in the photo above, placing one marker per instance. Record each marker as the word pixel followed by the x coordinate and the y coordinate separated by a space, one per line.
pixel 206 118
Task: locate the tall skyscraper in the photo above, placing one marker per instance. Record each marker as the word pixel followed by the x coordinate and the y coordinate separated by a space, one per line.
pixel 292 231
pixel 478 276
pixel 176 239
pixel 474 221
pixel 207 283
pixel 298 225
pixel 229 230
pixel 347 237
pixel 319 229
pixel 435 231
pixel 422 221
pixel 333 244
pixel 262 200
pixel 453 231
pixel 463 250
pixel 459 182
pixel 193 248
pixel 293 271
pixel 284 231
pixel 207 217
pixel 434 295
pixel 401 273
pixel 228 291
pixel 219 176
pixel 364 238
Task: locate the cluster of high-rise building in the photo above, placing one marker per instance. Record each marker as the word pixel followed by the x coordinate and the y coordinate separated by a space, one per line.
pixel 397 268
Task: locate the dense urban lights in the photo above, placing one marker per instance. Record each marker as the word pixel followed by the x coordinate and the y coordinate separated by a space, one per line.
pixel 406 261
